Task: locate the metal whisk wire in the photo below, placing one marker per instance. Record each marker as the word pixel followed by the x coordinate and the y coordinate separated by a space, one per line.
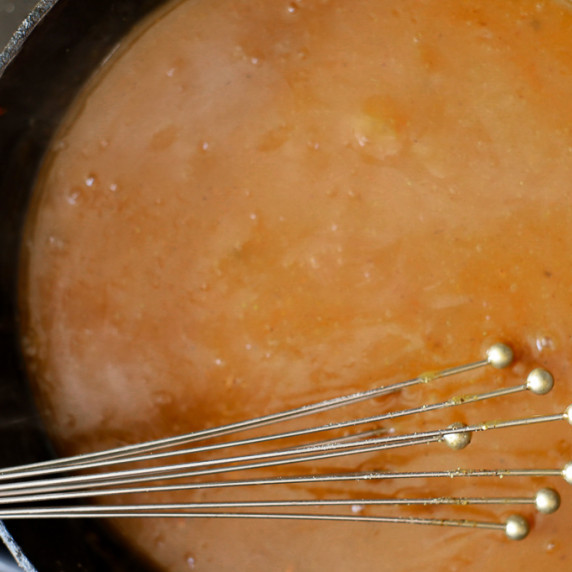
pixel 35 483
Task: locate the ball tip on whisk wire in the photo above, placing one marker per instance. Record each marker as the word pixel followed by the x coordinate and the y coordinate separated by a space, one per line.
pixel 539 381
pixel 547 501
pixel 568 414
pixel 459 439
pixel 567 473
pixel 500 355
pixel 517 527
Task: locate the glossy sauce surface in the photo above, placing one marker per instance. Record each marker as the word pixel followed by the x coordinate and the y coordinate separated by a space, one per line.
pixel 256 205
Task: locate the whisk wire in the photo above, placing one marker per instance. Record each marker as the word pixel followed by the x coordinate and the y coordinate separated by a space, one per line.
pixel 35 483
pixel 321 406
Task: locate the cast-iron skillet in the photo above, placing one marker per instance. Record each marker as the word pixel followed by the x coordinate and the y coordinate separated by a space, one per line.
pixel 40 73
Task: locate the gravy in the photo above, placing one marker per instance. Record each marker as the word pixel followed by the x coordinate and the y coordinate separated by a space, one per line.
pixel 256 205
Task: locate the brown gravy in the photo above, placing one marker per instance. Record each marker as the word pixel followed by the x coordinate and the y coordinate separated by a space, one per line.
pixel 260 204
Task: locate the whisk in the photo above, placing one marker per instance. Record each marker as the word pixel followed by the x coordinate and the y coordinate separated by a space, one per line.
pixel 25 490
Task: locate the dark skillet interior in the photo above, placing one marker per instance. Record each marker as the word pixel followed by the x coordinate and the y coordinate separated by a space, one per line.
pixel 36 89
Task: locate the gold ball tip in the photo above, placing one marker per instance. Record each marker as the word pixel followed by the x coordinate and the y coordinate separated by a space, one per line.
pixel 500 355
pixel 547 501
pixel 459 439
pixel 567 473
pixel 539 381
pixel 516 527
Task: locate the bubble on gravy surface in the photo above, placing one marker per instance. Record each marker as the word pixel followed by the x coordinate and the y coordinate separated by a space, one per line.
pixel 255 205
